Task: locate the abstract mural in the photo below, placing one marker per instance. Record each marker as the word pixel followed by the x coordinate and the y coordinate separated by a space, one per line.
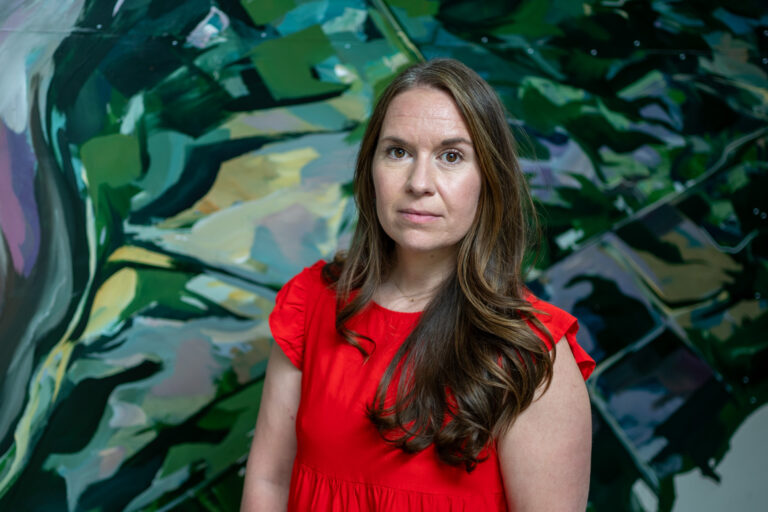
pixel 166 166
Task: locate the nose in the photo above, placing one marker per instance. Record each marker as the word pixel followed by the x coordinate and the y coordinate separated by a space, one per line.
pixel 421 179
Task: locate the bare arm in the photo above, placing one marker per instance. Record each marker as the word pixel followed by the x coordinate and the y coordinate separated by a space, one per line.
pixel 545 455
pixel 268 473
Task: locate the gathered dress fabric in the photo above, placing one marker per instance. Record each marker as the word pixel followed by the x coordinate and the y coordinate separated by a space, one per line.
pixel 342 463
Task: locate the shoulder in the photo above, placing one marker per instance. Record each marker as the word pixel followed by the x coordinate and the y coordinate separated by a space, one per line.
pixel 557 321
pixel 310 277
pixel 305 288
pixel 560 325
pixel 294 305
pixel 308 283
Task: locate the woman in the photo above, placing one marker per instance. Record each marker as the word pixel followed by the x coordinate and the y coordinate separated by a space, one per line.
pixel 416 372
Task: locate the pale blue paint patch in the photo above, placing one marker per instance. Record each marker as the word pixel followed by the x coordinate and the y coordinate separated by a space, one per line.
pixel 321 12
pixel 303 16
pixel 279 243
pixel 351 21
pixel 337 159
pixel 134 112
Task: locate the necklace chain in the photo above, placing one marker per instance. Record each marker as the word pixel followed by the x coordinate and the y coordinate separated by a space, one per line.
pixel 411 298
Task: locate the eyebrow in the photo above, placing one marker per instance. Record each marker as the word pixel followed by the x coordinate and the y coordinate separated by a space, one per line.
pixel 446 142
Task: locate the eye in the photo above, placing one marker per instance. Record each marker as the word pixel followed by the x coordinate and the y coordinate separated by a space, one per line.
pixel 451 157
pixel 396 152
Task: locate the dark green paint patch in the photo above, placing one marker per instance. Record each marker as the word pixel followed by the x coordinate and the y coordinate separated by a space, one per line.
pixel 189 102
pixel 530 21
pixel 165 289
pixel 542 114
pixel 112 164
pixel 610 311
pixel 265 11
pixel 86 117
pixel 640 237
pixel 417 7
pixel 111 160
pixel 285 64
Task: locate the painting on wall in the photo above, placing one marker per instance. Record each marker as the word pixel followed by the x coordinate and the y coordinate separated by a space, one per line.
pixel 165 167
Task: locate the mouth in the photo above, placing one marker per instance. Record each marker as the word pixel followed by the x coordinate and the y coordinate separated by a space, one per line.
pixel 418 215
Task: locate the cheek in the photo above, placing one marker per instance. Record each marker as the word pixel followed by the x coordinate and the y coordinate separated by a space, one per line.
pixel 379 209
pixel 380 195
pixel 470 213
pixel 470 195
pixel 383 186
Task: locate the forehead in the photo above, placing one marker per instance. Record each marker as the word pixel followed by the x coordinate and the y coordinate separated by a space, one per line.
pixel 424 109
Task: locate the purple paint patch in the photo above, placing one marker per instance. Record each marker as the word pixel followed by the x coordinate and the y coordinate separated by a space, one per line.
pixel 19 220
pixel 195 370
pixel 15 22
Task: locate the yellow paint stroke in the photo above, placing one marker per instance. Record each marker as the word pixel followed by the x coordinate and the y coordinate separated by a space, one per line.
pixel 111 301
pixel 269 122
pixel 55 363
pixel 59 358
pixel 133 254
pixel 246 178
pixel 238 296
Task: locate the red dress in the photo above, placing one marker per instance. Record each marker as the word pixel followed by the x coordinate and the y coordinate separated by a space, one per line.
pixel 342 463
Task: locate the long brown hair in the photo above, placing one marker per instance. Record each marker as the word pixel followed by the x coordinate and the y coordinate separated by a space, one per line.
pixel 472 363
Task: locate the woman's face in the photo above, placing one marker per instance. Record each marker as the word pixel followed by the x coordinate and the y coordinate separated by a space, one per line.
pixel 425 173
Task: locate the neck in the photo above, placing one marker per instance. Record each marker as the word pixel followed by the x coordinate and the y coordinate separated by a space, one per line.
pixel 414 279
pixel 420 272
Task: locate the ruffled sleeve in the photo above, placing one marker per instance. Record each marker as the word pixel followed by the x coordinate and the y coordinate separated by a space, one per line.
pixel 561 324
pixel 288 319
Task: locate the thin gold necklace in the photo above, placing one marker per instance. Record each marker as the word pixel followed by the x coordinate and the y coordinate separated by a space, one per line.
pixel 411 298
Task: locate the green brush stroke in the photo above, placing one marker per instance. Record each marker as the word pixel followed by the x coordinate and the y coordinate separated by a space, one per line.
pixel 285 64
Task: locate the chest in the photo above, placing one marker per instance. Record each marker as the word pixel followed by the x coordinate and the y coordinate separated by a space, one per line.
pixel 334 434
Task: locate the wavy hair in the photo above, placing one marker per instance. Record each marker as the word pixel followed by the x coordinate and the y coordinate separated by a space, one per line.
pixel 472 363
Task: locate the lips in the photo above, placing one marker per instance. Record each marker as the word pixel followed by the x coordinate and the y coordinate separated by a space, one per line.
pixel 419 212
pixel 418 216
